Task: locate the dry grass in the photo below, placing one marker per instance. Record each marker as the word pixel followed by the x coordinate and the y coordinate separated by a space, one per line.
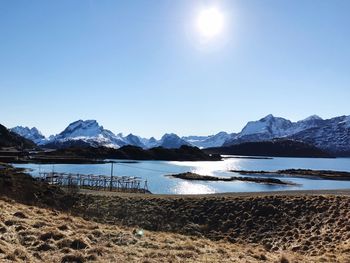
pixel 31 234
pixel 311 225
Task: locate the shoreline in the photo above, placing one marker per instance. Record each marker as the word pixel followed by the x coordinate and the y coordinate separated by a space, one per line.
pixel 326 192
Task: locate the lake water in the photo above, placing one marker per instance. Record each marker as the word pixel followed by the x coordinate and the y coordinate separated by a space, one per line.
pixel 154 172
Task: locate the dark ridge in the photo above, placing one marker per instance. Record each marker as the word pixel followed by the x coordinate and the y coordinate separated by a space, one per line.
pixel 274 148
pixel 67 144
pixel 11 139
pixel 184 153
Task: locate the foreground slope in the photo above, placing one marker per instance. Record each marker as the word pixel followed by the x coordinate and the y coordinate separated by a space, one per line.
pixel 32 234
pixel 11 139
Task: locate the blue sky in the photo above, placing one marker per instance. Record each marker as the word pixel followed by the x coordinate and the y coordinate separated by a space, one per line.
pixel 140 67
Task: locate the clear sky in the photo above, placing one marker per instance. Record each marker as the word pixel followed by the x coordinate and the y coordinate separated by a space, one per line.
pixel 143 67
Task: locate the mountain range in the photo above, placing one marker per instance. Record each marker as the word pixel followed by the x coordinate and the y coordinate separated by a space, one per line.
pixel 331 135
pixel 90 133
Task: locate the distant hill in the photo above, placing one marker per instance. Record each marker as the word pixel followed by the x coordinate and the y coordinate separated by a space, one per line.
pixel 11 139
pixel 274 148
pixel 184 153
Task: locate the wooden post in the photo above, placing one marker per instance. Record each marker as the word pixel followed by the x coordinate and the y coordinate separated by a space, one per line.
pixel 111 176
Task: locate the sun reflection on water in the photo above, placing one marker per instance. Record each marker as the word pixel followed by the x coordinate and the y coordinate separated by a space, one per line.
pixel 210 168
pixel 189 188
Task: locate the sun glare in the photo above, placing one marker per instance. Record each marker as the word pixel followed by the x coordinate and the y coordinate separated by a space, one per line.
pixel 210 22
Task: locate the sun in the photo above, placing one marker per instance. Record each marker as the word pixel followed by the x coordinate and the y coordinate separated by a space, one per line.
pixel 210 22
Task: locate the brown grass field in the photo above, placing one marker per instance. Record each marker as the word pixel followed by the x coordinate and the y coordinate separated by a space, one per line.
pixel 32 234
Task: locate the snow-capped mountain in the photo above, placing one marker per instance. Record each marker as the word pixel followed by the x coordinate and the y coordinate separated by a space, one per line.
pixel 332 135
pixel 271 127
pixel 32 134
pixel 216 140
pixel 90 133
pixel 267 126
pixel 310 122
pixel 84 133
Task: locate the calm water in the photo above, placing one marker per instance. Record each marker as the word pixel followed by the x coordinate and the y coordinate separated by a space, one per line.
pixel 154 171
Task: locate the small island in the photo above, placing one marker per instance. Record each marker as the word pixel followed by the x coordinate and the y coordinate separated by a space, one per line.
pixel 259 180
pixel 304 173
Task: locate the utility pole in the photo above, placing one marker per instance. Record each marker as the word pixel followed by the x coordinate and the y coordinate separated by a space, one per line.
pixel 53 173
pixel 112 163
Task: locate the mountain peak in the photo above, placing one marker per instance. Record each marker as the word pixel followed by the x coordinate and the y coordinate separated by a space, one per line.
pixel 81 124
pixel 171 140
pixel 81 128
pixel 32 134
pixel 312 118
pixel 85 122
pixel 170 135
pixel 269 125
pixel 35 130
pixel 267 117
